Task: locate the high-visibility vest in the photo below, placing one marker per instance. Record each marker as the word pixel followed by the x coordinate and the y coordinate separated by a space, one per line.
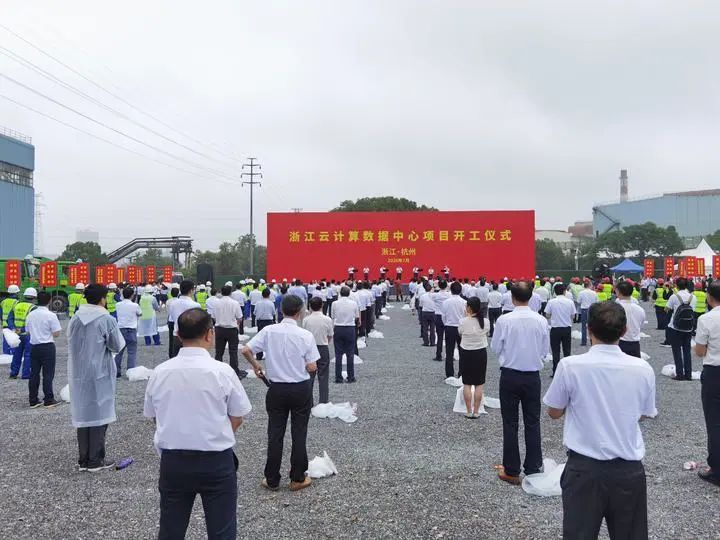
pixel 201 298
pixel 701 301
pixel 603 296
pixel 607 289
pixel 537 283
pixel 146 307
pixel 20 313
pixel 636 294
pixel 7 305
pixel 75 300
pixel 111 301
pixel 660 301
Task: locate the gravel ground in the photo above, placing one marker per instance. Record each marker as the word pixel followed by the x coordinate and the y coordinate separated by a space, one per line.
pixel 408 468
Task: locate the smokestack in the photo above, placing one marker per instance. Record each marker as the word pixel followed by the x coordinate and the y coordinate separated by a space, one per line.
pixel 623 185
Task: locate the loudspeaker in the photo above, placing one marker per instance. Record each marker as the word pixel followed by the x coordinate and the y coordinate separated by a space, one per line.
pixel 205 273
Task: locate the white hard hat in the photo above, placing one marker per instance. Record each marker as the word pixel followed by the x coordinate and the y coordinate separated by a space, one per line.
pixel 242 282
pixel 262 281
pixel 175 286
pixel 13 289
pixel 149 289
pixel 208 283
pixel 201 287
pixel 79 287
pixel 112 286
pixel 284 280
pixel 274 281
pixel 228 283
pixel 30 292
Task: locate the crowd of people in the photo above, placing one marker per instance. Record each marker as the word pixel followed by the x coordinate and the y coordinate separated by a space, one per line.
pixel 603 393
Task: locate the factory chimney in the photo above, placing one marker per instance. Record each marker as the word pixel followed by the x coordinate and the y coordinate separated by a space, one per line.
pixel 623 185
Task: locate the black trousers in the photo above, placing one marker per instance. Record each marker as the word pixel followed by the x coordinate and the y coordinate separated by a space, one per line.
pixel 559 336
pixel 323 368
pixel 229 337
pixel 520 388
pixel 283 400
pixel 440 332
pixel 42 359
pixel 710 394
pixel 630 347
pixel 345 343
pixel 91 445
pixel 369 320
pixel 680 343
pixel 493 314
pixel 171 340
pixel 187 473
pixel 452 339
pixel 378 306
pixel 614 490
pixel 428 328
pixel 662 317
pixel 260 325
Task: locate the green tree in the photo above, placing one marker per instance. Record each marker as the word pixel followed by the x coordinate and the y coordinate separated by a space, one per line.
pixel 233 258
pixel 648 238
pixel 714 240
pixel 550 256
pixel 153 257
pixel 669 243
pixel 89 252
pixel 382 204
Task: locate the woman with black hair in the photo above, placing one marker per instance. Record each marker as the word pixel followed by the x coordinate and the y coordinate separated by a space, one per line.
pixel 473 332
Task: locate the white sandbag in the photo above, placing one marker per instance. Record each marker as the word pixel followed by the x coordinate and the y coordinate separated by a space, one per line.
pixel 65 393
pixel 454 381
pixel 139 373
pixel 344 411
pixel 11 338
pixel 361 343
pixel 547 358
pixel 5 359
pixel 669 371
pixel 576 334
pixel 459 406
pixel 644 335
pixel 376 334
pixel 358 360
pixel 389 306
pixel 384 318
pixel 644 356
pixel 383 310
pixel 162 329
pixel 251 330
pixel 407 306
pixel 321 467
pixel 545 484
pixel 242 338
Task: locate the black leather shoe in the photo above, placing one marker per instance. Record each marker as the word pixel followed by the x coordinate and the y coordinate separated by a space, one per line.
pixel 339 381
pixel 709 476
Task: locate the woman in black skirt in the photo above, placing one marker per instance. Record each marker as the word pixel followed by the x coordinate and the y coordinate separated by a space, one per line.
pixel 473 331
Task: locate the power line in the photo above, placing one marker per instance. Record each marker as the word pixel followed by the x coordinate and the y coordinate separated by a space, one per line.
pixel 252 183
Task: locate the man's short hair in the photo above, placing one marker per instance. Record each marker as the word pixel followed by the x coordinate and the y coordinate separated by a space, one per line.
pixel 681 283
pixel 344 290
pixel 607 321
pixel 95 292
pixel 624 288
pixel 291 305
pixel 456 287
pixel 442 284
pixel 226 290
pixel 194 323
pixel 128 293
pixel 43 298
pixel 559 289
pixel 186 287
pixel 316 303
pixel 521 292
pixel 714 290
pixel 266 293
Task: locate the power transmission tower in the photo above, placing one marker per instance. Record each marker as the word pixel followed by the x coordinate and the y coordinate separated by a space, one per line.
pixel 252 183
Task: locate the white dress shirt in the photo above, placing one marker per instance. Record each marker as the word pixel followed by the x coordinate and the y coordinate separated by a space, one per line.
pixel 453 310
pixel 210 305
pixel 708 334
pixel 320 326
pixel 178 307
pixel 635 316
pixel 239 297
pixel 542 292
pixel 587 298
pixel 227 312
pixel 521 340
pixel 128 313
pixel 255 296
pixel 288 350
pixel 507 303
pixel 190 397
pixel 535 302
pixel 427 303
pixel 40 324
pixel 439 299
pixel 482 293
pixel 604 392
pixel 344 311
pixel 674 302
pixel 494 299
pixel 561 310
pixel 265 310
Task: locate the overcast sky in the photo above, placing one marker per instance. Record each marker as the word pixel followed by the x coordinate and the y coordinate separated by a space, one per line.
pixel 459 105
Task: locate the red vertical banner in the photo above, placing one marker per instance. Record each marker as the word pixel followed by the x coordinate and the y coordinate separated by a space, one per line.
pixel 700 266
pixel 100 275
pixel 83 273
pixel 120 275
pixel 48 274
pixel 167 274
pixel 110 272
pixel 682 268
pixel 649 267
pixel 140 274
pixel 716 266
pixel 132 274
pixel 669 266
pixel 150 274
pixel 12 273
pixel 690 266
pixel 73 275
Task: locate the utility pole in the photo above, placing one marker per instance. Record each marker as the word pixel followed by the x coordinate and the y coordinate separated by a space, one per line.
pixel 252 183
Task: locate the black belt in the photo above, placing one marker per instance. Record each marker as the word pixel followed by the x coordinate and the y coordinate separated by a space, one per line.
pixel 574 454
pixel 196 452
pixel 511 370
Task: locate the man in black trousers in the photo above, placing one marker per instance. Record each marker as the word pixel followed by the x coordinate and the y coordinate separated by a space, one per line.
pixel 197 404
pixel 291 357
pixel 561 312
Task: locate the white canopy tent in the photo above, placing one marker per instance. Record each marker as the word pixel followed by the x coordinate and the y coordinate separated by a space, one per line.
pixel 702 251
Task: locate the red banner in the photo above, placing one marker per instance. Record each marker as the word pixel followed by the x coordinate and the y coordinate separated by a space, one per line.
pixel 700 266
pixel 73 272
pixel 167 274
pixel 120 275
pixel 315 245
pixel 649 267
pixel 12 273
pixel 83 276
pixel 100 275
pixel 132 274
pixel 682 268
pixel 669 266
pixel 716 266
pixel 150 274
pixel 111 273
pixel 690 266
pixel 140 274
pixel 48 274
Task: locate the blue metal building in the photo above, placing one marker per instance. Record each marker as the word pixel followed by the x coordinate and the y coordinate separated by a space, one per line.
pixel 17 194
pixel 694 214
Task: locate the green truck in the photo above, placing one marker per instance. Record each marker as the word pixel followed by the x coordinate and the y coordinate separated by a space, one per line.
pixel 29 272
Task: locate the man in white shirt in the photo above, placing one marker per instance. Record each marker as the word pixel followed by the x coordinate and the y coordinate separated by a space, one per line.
pixel 427 321
pixel 345 315
pixel 212 302
pixel 43 327
pixel 707 347
pixel 197 404
pixel 635 315
pixel 265 313
pixel 398 273
pixel 544 295
pixel 366 273
pixel 228 317
pixel 520 342
pixel 561 312
pixel 681 307
pixel 321 327
pixel 507 302
pixel 494 306
pixel 603 394
pixel 255 296
pixel 127 313
pixel 453 311
pixel 185 301
pixel 587 297
pixel 439 299
pixel 291 356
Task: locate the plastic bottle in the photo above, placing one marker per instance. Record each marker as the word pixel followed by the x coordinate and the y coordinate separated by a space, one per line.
pixel 124 463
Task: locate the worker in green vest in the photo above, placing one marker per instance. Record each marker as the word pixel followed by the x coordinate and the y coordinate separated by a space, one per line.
pixel 661 295
pixel 76 299
pixel 602 295
pixel 112 299
pixel 16 321
pixel 636 292
pixel 537 282
pixel 6 306
pixel 701 304
pixel 147 325
pixel 607 287
pixel 201 296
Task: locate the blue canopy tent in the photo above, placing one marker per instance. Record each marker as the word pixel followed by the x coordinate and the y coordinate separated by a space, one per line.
pixel 627 266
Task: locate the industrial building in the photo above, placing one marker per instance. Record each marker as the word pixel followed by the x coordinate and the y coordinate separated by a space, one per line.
pixel 694 214
pixel 17 194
